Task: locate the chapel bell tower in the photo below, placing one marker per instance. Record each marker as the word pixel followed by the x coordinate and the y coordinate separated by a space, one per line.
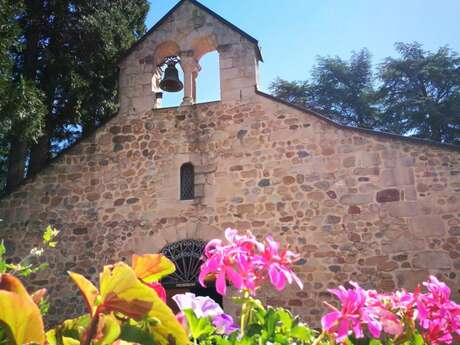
pixel 186 33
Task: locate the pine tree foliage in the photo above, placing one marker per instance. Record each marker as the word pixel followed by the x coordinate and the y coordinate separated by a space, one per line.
pixel 415 94
pixel 58 73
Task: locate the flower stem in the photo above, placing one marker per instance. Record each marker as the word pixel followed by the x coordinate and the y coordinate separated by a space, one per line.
pixel 320 337
pixel 245 311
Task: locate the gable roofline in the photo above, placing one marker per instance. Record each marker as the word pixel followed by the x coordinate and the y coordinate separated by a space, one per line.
pixel 411 140
pixel 207 10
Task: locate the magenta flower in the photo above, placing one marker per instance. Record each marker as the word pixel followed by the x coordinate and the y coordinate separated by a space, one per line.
pixel 438 316
pixel 246 263
pixel 361 308
pixel 349 317
pixel 278 264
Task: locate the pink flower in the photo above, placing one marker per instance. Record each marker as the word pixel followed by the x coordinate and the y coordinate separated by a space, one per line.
pixel 361 308
pixel 225 261
pixel 278 264
pixel 159 289
pixel 438 316
pixel 349 317
pixel 246 263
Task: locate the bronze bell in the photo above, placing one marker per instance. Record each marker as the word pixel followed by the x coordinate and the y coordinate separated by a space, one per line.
pixel 171 82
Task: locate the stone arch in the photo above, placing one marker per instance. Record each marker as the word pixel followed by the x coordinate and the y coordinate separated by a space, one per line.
pixel 203 45
pixel 207 54
pixel 162 51
pixel 165 49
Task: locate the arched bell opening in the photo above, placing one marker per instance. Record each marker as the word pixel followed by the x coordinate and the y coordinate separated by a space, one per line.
pixel 171 84
pixel 168 69
pixel 208 81
pixel 187 257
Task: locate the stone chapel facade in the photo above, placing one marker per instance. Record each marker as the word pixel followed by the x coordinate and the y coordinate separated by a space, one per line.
pixel 358 205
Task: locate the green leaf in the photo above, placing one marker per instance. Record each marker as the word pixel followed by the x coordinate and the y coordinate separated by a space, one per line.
pixel 134 333
pixel 285 318
pixel 375 342
pixel 3 265
pixel 53 339
pixel 271 320
pixel 69 332
pixel 49 235
pixel 417 339
pixel 301 332
pixel 254 329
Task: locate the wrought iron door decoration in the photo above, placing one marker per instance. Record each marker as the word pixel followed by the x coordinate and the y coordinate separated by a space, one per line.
pixel 186 255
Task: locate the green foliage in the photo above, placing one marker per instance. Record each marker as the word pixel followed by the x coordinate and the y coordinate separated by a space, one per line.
pixel 260 325
pixel 49 237
pixel 124 308
pixel 416 94
pixel 29 264
pixel 52 89
pixel 343 90
pixel 421 93
pixel 124 311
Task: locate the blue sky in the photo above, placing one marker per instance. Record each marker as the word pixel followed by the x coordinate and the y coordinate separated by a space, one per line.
pixel 292 33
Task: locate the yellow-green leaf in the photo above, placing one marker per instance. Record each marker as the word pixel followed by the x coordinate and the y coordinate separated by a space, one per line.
pixel 108 330
pixel 122 292
pixel 51 338
pixel 88 290
pixel 69 331
pixel 152 267
pixel 49 235
pixel 168 327
pixel 19 313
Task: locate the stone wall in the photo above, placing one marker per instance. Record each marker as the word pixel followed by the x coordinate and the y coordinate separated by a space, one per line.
pixel 381 211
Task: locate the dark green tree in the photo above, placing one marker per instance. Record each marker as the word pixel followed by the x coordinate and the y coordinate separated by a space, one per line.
pixel 71 48
pixel 21 103
pixel 421 93
pixel 341 90
pixel 416 94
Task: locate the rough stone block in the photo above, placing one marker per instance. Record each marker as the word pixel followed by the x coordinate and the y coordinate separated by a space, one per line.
pixel 403 243
pixel 427 226
pixel 388 195
pixel 356 199
pixel 410 279
pixel 432 260
pixel 398 176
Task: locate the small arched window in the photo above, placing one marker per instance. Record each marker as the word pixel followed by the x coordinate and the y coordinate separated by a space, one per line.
pixel 187 182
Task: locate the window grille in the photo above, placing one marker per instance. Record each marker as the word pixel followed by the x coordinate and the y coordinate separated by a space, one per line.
pixel 187 182
pixel 186 256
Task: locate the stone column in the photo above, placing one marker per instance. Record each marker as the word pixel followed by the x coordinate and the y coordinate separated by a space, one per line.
pixel 194 76
pixel 156 91
pixel 190 67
